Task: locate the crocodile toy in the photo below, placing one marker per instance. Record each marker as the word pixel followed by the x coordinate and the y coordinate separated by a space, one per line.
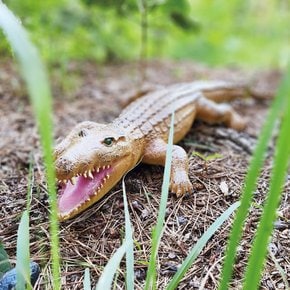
pixel 94 157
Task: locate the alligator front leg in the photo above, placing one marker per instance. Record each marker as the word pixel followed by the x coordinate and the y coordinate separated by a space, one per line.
pixel 155 153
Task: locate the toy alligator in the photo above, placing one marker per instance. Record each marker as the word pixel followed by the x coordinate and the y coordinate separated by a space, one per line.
pixel 94 157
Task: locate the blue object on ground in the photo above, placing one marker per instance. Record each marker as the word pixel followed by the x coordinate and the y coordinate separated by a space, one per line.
pixel 8 281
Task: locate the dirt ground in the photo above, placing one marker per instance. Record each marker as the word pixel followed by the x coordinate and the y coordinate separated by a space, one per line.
pixel 94 92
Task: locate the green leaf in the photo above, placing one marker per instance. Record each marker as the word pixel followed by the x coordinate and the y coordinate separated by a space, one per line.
pixel 4 261
pixel 129 241
pixel 106 279
pixel 207 157
pixel 159 228
pixel 23 254
pixel 184 22
pixel 180 6
pixel 35 77
pixel 251 182
pixel 200 245
pixel 279 171
pixel 87 280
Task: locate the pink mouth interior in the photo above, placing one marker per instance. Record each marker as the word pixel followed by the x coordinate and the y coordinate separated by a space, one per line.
pixel 71 196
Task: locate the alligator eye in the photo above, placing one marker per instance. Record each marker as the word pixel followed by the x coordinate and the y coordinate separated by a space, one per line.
pixel 82 133
pixel 109 141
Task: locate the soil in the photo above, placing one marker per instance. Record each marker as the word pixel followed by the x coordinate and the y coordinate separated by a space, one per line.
pixel 87 91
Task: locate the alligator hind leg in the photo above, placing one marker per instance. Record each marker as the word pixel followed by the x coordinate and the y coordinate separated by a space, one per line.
pixel 155 153
pixel 212 112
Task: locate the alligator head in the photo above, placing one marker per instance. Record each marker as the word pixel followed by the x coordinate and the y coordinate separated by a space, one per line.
pixel 89 162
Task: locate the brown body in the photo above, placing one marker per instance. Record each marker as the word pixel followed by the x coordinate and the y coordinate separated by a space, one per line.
pixel 139 134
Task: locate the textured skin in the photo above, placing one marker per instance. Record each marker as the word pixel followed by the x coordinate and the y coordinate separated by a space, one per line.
pixel 140 134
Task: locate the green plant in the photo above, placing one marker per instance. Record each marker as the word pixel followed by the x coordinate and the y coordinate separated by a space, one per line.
pixel 196 250
pixel 34 75
pixel 129 240
pixel 87 280
pixel 280 104
pixel 23 256
pixel 207 158
pixel 246 33
pixel 159 228
pixel 279 171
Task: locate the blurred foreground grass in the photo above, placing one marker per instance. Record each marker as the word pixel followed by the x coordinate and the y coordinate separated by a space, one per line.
pixel 244 33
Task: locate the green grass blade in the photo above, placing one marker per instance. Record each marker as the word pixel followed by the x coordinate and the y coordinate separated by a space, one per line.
pixel 158 229
pixel 87 280
pixel 129 241
pixel 250 185
pixel 23 254
pixel 195 251
pixel 106 279
pixel 35 77
pixel 281 164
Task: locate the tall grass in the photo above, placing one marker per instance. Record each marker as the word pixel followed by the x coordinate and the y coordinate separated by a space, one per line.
pixel 202 241
pixel 87 280
pixel 159 228
pixel 129 240
pixel 280 167
pixel 23 256
pixel 105 281
pixel 280 105
pixel 34 74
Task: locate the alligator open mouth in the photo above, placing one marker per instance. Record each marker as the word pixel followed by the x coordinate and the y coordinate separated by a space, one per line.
pixel 82 190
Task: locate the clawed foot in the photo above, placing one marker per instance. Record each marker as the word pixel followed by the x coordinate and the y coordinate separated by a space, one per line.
pixel 180 184
pixel 237 122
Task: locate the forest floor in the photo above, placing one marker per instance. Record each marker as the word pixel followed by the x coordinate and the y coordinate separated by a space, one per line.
pixel 94 92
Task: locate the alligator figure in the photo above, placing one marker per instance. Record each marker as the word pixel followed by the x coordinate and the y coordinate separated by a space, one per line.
pixel 94 157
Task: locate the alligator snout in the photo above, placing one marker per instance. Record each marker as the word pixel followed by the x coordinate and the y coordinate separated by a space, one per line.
pixel 63 167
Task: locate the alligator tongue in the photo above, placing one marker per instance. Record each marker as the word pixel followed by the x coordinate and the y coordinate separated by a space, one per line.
pixel 71 196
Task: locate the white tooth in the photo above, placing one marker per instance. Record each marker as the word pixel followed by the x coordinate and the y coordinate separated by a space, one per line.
pixel 107 175
pixel 73 180
pixel 104 167
pixel 102 186
pixel 108 166
pixel 85 174
pixel 95 193
pixel 90 174
pixel 98 169
pixel 65 181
